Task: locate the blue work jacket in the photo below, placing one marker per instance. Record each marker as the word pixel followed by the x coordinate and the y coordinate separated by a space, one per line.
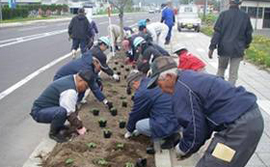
pixel 153 104
pixel 204 103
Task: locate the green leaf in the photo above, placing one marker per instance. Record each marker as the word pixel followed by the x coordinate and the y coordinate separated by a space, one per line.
pixel 69 161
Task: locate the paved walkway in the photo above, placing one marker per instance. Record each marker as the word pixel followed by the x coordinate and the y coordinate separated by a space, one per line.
pixel 252 78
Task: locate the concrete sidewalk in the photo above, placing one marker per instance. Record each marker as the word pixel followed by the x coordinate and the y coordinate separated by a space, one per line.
pixel 252 78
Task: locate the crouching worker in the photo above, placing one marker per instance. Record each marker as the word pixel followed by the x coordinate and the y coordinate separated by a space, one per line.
pixel 205 104
pixel 152 113
pixel 57 104
pixel 188 61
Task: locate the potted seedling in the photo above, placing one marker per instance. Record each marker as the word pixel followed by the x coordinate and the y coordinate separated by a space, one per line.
pixel 100 162
pixel 122 123
pixel 127 69
pixel 129 164
pixel 118 73
pixel 91 145
pixel 69 161
pixel 125 77
pixel 122 66
pixel 114 68
pixel 95 111
pixel 113 111
pixel 124 103
pixel 107 133
pixel 116 62
pixel 141 162
pixel 123 97
pixel 120 146
pixel 102 122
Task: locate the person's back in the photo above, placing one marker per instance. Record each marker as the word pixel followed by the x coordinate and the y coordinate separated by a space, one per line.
pixel 188 61
pixel 79 27
pixel 236 32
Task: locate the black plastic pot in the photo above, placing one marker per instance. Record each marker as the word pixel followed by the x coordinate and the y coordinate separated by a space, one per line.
pixel 114 68
pixel 115 62
pixel 122 66
pixel 127 69
pixel 150 150
pixel 95 112
pixel 102 124
pixel 124 103
pixel 107 134
pixel 118 73
pixel 113 111
pixel 122 124
pixel 125 77
pixel 141 162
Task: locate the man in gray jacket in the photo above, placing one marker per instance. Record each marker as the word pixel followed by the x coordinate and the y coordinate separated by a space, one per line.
pixel 233 34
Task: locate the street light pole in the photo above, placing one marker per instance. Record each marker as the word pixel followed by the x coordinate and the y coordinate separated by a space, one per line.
pixel 205 8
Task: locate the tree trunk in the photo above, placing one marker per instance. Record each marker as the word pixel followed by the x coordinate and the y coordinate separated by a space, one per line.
pixel 121 17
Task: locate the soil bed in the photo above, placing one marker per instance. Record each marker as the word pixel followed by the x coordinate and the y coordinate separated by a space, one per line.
pixel 77 153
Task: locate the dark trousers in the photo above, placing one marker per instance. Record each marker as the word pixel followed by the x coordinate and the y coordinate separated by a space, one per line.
pixel 168 37
pixel 239 140
pixel 79 42
pixel 54 115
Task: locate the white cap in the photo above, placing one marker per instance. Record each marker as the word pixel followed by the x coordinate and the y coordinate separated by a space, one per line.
pixel 178 48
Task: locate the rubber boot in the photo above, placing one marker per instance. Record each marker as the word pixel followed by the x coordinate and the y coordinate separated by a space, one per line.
pixel 171 141
pixel 55 135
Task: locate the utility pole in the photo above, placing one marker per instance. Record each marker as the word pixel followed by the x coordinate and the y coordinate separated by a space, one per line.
pixel 1 17
pixel 205 9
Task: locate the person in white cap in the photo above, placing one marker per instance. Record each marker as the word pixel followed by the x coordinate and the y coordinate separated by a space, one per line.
pixel 187 61
pixel 98 52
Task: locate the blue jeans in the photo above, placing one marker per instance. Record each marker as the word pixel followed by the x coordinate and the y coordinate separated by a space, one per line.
pixel 54 115
pixel 79 42
pixel 168 37
pixel 143 127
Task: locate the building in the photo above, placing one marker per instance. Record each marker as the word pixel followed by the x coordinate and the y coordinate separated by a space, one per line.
pixel 259 12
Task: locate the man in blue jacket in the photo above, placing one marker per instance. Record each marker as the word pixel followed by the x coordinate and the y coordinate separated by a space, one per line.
pixel 169 19
pixel 86 62
pixel 205 104
pixel 57 103
pixel 152 113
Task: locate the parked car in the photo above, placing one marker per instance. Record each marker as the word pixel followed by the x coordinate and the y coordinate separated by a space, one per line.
pixel 188 18
pixel 151 11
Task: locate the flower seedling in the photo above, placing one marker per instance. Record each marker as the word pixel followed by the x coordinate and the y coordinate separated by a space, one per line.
pixel 119 146
pixel 102 122
pixel 141 162
pixel 69 161
pixel 127 69
pixel 107 133
pixel 123 97
pixel 129 164
pixel 124 103
pixel 95 111
pixel 113 111
pixel 118 73
pixel 91 145
pixel 122 123
pixel 114 68
pixel 100 162
pixel 122 66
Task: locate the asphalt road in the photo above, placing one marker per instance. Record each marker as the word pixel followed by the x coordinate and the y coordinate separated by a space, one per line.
pixel 24 50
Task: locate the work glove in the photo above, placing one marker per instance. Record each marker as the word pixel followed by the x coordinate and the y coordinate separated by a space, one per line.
pixel 210 54
pixel 81 131
pixel 180 155
pixel 116 77
pixel 75 120
pixel 128 135
pixel 108 104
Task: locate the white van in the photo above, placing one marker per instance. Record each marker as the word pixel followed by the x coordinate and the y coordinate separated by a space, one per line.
pixel 188 18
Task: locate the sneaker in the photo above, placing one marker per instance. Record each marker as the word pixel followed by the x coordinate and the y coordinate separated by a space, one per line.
pixel 59 138
pixel 171 141
pixel 73 53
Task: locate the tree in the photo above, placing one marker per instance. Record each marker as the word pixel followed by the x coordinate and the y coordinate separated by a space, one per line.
pixel 120 5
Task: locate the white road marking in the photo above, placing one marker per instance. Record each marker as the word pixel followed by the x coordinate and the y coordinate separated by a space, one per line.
pixel 31 28
pixel 30 38
pixel 265 105
pixel 104 22
pixel 31 76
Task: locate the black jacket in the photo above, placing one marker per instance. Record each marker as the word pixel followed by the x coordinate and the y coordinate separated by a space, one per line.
pixel 79 27
pixel 233 33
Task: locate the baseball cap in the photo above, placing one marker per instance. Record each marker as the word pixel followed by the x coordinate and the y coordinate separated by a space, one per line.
pixel 133 76
pixel 87 76
pixel 178 48
pixel 160 65
pixel 101 58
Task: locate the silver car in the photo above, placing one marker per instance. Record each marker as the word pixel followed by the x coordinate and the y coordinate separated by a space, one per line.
pixel 188 18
